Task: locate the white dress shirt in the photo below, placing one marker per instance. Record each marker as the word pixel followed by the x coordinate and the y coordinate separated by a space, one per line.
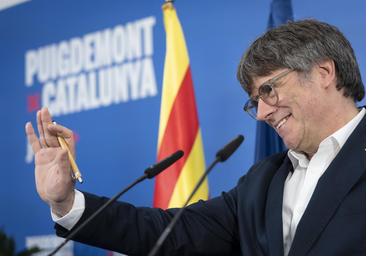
pixel 299 185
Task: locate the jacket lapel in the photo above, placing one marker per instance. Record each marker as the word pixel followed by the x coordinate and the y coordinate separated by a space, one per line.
pixel 333 186
pixel 273 213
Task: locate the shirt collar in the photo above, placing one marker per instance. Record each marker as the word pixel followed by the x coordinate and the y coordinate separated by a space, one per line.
pixel 342 134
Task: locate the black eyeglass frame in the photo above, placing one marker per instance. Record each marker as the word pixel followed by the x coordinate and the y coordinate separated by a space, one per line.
pixel 249 104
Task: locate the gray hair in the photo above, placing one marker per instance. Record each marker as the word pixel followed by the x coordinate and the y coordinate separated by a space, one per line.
pixel 300 45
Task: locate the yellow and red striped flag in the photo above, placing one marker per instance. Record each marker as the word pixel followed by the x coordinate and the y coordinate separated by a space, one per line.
pixel 179 127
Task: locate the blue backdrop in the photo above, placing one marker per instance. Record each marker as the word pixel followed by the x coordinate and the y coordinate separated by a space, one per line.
pixel 69 55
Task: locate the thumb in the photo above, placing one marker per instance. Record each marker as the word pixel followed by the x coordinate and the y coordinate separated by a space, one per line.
pixel 65 133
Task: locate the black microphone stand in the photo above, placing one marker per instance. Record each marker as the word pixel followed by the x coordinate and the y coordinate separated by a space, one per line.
pixel 221 156
pixel 169 228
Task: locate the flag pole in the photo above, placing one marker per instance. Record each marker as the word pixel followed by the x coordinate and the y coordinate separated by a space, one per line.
pixel 168 5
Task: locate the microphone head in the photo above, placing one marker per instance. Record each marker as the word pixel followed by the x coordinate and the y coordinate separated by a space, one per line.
pixel 230 148
pixel 157 168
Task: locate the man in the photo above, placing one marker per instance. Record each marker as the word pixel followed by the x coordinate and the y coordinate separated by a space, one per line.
pixel 303 80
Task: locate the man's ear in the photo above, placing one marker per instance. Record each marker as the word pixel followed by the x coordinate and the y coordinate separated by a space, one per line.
pixel 327 73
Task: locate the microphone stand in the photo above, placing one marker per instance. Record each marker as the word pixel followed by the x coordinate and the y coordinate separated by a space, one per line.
pixel 221 156
pixel 176 217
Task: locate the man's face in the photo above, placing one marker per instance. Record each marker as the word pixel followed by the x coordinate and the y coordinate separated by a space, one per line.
pixel 298 116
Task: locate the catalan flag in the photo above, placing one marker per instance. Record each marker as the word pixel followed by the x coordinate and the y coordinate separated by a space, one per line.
pixel 179 127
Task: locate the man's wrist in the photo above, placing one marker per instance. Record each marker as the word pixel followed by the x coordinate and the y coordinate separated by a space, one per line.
pixel 65 207
pixel 69 220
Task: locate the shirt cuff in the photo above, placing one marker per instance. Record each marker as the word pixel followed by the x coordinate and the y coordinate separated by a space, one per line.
pixel 69 220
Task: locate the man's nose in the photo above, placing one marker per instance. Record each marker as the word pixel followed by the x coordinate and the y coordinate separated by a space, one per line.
pixel 264 110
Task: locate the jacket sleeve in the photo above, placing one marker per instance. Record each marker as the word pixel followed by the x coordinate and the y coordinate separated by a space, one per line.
pixel 205 228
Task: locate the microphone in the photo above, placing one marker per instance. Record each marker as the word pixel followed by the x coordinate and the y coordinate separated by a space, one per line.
pixel 149 173
pixel 229 148
pixel 155 169
pixel 221 156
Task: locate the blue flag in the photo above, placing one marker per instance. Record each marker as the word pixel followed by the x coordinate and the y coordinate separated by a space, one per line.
pixel 267 140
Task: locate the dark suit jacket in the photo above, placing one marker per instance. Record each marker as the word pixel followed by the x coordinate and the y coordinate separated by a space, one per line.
pixel 248 219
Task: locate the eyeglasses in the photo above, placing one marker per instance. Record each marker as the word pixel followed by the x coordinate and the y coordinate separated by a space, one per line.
pixel 267 93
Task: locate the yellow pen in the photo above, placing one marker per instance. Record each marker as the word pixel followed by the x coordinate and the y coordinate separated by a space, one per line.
pixel 74 168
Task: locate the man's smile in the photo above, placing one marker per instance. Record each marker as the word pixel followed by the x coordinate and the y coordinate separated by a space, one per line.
pixel 277 126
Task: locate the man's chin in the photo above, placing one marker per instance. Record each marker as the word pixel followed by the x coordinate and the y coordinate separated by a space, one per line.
pixel 290 145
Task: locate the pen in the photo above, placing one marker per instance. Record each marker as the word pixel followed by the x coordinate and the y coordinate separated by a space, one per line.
pixel 74 168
